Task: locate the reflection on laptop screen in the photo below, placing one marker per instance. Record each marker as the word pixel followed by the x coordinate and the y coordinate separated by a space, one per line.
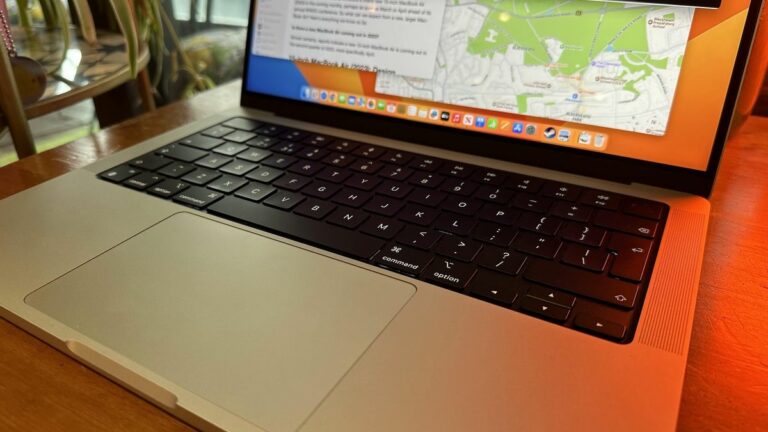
pixel 645 81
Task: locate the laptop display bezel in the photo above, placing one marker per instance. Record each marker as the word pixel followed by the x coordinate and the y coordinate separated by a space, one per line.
pixel 598 165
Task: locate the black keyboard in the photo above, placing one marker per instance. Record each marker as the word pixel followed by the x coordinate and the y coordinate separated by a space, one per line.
pixel 577 257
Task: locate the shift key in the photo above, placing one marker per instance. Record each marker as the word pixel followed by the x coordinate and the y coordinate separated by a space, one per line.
pixel 583 283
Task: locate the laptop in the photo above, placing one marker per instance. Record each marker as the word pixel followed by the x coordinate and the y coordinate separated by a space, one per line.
pixel 425 216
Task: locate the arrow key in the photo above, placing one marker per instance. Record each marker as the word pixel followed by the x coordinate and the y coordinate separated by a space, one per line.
pixel 600 326
pixel 553 296
pixel 494 287
pixel 544 309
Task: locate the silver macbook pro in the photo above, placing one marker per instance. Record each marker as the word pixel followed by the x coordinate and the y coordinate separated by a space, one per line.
pixel 473 215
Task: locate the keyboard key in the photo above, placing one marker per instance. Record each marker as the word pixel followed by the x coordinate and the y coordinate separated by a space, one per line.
pixel 532 203
pixel 263 142
pixel 264 174
pixel 394 189
pixel 312 153
pixel 420 238
pixel 318 140
pixel 369 151
pixel 292 182
pixel 494 287
pixel 501 260
pixel 586 258
pixel 456 170
pixel 426 180
pixel 333 175
pixel 168 188
pixel 460 187
pixel 201 176
pixel 150 162
pixel 403 259
pixel 306 168
pixel 587 235
pixel 366 166
pixel 362 182
pixel 284 200
pixel 643 208
pixel 462 206
pixel 632 255
pixel 396 173
pixel 538 245
pixel 230 149
pixel 197 197
pixel 494 234
pixel 339 160
pixel 498 214
pixel 351 198
pixel 270 130
pixel 318 233
pixel 544 309
pixel 600 326
pixel 227 184
pixel 217 131
pixel 254 155
pixel 143 181
pixel 379 227
pixel 582 282
pixel 608 201
pixel 539 224
pixel 459 248
pixel 449 273
pixel 322 190
pixel 239 136
pixel 626 223
pixel 418 215
pixel 315 209
pixel 397 157
pixel 176 170
pixel 238 167
pixel 428 164
pixel 279 161
pixel 522 183
pixel 181 152
pixel 489 177
pixel 561 191
pixel 572 211
pixel 202 142
pixel 242 124
pixel 493 194
pixel 213 161
pixel 426 197
pixel 119 174
pixel 293 135
pixel 383 206
pixel 255 191
pixel 344 146
pixel 287 147
pixel 455 224
pixel 552 296
pixel 347 218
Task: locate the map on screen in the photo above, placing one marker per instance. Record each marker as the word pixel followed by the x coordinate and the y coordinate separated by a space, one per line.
pixel 606 64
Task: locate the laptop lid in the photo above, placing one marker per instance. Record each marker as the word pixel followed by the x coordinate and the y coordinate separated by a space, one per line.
pixel 630 92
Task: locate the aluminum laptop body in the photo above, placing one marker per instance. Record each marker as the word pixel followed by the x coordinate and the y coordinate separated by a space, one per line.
pixel 235 325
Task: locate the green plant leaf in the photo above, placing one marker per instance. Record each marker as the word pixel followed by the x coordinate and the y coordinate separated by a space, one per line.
pixel 127 23
pixel 85 17
pixel 61 18
pixel 23 6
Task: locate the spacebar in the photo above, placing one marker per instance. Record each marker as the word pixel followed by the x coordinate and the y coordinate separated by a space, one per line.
pixel 297 227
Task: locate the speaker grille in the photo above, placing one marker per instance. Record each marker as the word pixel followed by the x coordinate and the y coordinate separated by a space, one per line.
pixel 670 300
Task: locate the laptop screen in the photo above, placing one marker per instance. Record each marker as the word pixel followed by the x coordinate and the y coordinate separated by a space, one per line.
pixel 642 81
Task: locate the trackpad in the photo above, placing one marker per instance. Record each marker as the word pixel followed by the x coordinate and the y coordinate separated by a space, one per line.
pixel 258 327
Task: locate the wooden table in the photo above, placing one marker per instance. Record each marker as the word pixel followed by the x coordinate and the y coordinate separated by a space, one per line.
pixel 726 386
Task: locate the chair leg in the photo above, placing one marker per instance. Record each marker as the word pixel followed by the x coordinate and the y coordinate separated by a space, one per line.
pixel 13 109
pixel 145 90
